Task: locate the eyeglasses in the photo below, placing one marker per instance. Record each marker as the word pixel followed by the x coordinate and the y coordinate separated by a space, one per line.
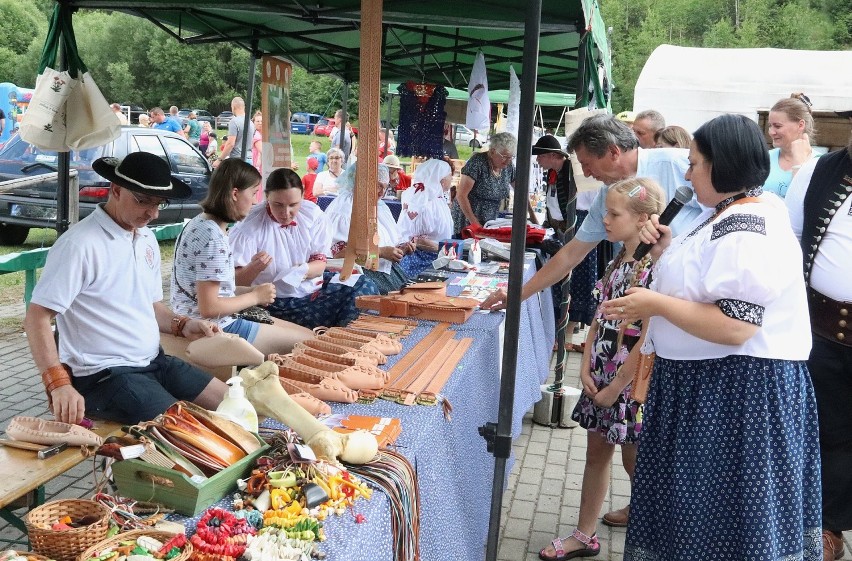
pixel 335 158
pixel 504 157
pixel 163 205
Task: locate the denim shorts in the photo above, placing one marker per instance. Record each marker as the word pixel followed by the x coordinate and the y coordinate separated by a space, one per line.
pixel 244 328
pixel 129 394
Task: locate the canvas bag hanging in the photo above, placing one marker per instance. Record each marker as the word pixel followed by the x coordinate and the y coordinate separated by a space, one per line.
pixel 89 121
pixel 43 124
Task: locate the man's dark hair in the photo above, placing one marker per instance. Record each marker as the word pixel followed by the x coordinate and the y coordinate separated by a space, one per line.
pixel 735 147
pixel 597 133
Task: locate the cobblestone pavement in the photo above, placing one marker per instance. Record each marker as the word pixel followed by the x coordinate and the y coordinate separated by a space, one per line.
pixel 541 501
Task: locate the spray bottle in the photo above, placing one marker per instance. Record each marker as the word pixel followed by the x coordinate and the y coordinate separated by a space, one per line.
pixel 236 407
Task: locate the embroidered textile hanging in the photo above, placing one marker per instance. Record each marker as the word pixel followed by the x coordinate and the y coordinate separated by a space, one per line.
pixel 421 120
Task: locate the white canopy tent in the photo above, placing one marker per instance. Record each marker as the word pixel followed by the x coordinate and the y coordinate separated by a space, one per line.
pixel 690 86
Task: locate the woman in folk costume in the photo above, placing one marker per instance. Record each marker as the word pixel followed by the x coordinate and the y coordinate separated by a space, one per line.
pixel 426 217
pixel 283 241
pixel 392 246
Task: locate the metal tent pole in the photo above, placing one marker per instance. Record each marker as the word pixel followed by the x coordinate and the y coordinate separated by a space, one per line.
pixel 499 436
pixel 63 167
pixel 249 100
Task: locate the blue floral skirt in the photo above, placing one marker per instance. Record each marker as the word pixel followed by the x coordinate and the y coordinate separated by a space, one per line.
pixel 729 465
pixel 330 306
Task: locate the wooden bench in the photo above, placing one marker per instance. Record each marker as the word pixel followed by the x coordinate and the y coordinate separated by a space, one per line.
pixel 23 475
pixel 31 261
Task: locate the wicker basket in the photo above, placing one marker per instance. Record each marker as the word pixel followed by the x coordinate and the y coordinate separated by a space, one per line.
pixel 66 545
pixel 158 535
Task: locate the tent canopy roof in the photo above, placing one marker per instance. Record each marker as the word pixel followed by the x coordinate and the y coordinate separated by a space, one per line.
pixel 545 99
pixel 435 41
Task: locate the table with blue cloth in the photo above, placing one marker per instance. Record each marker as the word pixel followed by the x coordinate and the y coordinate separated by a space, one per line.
pixel 394 205
pixel 454 469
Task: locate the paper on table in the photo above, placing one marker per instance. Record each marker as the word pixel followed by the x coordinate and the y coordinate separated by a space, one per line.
pixel 294 276
pixel 348 282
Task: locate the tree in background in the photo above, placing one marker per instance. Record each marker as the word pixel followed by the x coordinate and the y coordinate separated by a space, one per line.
pixel 640 26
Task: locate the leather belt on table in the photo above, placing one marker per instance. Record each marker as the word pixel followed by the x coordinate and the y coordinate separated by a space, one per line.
pixel 829 318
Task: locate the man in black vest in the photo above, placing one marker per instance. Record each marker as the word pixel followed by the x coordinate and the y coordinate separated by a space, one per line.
pixel 561 192
pixel 819 201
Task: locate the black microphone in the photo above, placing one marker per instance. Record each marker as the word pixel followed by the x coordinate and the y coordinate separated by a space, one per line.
pixel 682 196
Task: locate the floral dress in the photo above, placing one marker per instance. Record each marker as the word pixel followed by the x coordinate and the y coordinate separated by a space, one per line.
pixel 622 422
pixel 487 193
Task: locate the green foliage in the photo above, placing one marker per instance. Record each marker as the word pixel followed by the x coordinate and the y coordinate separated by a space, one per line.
pixel 639 26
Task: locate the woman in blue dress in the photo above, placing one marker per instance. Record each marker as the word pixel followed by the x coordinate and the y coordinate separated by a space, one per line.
pixel 728 468
pixel 791 128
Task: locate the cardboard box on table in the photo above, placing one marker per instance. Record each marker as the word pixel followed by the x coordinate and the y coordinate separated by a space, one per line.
pixel 147 482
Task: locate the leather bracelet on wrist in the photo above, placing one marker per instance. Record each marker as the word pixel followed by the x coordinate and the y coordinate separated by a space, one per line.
pixel 55 377
pixel 178 323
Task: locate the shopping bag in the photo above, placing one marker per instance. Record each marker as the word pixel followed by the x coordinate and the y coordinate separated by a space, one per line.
pixel 90 121
pixel 43 124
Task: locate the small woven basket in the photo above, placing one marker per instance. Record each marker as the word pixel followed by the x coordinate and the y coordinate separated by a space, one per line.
pixel 158 535
pixel 66 545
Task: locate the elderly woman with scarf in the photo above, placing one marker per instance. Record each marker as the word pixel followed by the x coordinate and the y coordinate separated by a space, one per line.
pixel 426 218
pixel 283 241
pixel 392 246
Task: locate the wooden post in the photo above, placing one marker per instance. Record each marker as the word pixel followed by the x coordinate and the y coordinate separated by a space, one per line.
pixel 364 227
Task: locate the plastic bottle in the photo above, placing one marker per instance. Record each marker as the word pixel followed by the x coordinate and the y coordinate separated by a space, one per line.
pixel 236 407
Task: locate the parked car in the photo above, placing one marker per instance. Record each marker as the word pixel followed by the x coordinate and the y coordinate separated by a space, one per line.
pixel 325 125
pixel 35 207
pixel 304 123
pixel 223 119
pixel 135 111
pixel 467 137
pixel 200 115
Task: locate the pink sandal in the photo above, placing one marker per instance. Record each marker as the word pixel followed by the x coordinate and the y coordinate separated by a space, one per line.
pixel 591 542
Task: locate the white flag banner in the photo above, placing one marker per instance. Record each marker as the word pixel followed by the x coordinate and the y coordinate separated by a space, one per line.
pixel 478 103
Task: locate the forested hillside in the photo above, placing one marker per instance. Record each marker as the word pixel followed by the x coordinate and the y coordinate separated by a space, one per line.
pixel 134 61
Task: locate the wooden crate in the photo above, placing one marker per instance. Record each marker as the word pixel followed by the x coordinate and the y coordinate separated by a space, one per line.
pixel 147 482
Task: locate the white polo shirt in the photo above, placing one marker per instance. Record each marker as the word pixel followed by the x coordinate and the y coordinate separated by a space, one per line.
pixel 103 281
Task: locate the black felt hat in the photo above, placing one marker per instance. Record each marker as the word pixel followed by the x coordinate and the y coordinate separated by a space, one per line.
pixel 548 144
pixel 143 172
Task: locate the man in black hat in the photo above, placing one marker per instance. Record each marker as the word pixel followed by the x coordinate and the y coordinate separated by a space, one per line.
pixel 103 285
pixel 819 202
pixel 561 195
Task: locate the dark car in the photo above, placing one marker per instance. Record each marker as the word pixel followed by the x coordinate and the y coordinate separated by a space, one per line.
pixel 223 119
pixel 200 115
pixel 35 207
pixel 135 111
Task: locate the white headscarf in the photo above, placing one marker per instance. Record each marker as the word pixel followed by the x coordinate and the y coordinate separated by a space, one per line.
pixel 339 214
pixel 426 213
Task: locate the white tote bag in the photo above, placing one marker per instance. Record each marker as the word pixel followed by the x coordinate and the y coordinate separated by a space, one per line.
pixel 90 121
pixel 43 124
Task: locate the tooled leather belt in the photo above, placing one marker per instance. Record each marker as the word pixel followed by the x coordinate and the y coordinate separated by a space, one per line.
pixel 829 318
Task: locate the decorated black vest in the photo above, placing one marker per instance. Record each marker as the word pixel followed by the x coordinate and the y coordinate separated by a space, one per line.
pixel 830 184
pixel 566 194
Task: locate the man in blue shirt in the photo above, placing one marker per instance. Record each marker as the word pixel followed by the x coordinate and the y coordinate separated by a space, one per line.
pixel 160 121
